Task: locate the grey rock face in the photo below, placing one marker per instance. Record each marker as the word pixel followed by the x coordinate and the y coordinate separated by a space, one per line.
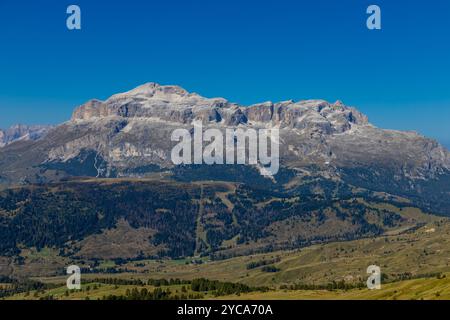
pixel 174 104
pixel 313 132
pixel 22 132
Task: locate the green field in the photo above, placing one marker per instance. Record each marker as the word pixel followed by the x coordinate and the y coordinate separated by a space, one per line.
pixel 437 288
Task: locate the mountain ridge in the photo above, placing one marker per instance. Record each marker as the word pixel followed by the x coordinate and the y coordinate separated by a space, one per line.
pixel 129 135
pixel 152 100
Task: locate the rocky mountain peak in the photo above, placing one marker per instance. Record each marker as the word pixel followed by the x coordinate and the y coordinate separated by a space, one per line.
pixel 155 91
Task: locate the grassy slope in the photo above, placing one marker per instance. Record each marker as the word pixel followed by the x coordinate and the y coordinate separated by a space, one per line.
pixel 426 289
pixel 93 291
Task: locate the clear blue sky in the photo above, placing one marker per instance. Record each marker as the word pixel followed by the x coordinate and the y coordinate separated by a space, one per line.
pixel 247 51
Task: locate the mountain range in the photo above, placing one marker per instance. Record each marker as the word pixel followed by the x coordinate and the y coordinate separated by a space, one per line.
pixel 128 135
pixel 106 177
pixel 22 132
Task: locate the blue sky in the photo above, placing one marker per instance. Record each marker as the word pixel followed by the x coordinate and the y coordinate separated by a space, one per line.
pixel 247 51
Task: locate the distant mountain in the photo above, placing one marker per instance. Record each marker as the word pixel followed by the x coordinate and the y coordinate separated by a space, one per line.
pixel 128 135
pixel 22 132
